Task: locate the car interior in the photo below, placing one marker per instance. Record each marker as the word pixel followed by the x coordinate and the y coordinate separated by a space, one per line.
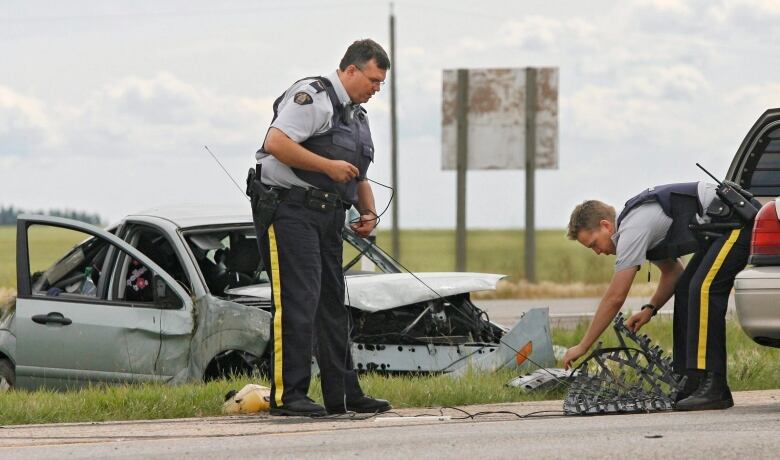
pixel 228 258
pixel 137 279
pixel 68 275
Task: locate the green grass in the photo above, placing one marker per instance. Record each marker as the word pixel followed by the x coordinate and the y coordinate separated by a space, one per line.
pixel 751 367
pixel 501 251
pixel 48 244
pixel 155 401
pixel 7 256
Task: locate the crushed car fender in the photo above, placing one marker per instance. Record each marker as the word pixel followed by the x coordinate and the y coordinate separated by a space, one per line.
pixel 220 325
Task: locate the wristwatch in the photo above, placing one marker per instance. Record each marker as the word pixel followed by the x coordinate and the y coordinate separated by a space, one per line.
pixel 650 306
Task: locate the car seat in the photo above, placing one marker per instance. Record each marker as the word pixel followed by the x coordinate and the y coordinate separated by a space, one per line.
pixel 242 261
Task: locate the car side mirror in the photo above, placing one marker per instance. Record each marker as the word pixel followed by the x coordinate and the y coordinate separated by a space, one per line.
pixel 165 297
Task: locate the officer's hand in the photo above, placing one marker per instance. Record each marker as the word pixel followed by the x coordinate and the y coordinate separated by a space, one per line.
pixel 572 354
pixel 341 171
pixel 365 225
pixel 639 319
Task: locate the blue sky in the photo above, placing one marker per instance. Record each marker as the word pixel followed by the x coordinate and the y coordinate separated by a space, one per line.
pixel 105 106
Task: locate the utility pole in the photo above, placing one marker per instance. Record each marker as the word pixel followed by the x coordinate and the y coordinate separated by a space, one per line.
pixel 395 240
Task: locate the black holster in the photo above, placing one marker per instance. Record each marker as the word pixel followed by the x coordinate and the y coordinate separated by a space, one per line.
pixel 264 201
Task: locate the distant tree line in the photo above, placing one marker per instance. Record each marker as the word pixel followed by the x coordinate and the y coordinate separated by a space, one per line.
pixel 8 215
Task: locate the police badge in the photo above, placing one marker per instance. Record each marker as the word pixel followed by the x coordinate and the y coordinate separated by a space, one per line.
pixel 302 98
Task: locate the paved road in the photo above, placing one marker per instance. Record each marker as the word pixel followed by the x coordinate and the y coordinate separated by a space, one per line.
pixel 750 430
pixel 562 311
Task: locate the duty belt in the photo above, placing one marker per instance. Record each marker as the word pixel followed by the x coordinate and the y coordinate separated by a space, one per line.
pixel 313 198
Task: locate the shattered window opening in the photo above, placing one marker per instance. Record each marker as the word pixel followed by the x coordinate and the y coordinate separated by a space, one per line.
pixel 77 273
pixel 222 268
pixel 227 258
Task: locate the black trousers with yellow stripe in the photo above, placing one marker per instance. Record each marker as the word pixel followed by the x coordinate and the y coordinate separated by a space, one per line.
pixel 701 299
pixel 302 253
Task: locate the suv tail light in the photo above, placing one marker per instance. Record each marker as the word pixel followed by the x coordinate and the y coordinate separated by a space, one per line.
pixel 765 245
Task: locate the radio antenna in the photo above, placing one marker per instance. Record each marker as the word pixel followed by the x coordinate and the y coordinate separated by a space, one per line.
pixel 226 171
pixel 709 174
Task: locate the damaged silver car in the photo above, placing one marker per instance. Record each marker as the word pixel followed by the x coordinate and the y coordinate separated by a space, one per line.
pixel 124 305
pixel 180 294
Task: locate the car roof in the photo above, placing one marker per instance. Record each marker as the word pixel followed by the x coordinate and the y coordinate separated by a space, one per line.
pixel 197 214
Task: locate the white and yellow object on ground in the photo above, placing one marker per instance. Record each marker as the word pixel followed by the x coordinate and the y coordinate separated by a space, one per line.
pixel 250 400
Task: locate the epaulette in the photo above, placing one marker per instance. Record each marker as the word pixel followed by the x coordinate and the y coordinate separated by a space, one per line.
pixel 317 85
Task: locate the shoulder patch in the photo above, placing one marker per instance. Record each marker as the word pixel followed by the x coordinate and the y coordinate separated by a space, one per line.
pixel 302 98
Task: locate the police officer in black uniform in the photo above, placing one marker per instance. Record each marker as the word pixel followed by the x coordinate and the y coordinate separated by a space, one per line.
pixel 311 168
pixel 661 224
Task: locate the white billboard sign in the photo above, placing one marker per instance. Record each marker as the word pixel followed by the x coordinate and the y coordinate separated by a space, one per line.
pixel 496 118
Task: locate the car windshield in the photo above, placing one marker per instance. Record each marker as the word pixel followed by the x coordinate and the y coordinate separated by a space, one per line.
pixel 228 257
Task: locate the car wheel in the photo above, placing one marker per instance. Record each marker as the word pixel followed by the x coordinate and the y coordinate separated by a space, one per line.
pixel 231 363
pixel 7 375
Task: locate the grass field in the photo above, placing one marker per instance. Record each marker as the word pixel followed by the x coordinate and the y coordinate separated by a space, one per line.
pixel 558 261
pixel 750 368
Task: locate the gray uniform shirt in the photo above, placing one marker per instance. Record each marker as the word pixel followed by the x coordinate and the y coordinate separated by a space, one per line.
pixel 299 122
pixel 645 226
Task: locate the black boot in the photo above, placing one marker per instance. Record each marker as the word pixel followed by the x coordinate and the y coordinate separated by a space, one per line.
pixel 713 393
pixel 362 405
pixel 692 381
pixel 302 407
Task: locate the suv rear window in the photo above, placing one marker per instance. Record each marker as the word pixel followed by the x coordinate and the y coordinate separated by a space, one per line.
pixel 764 178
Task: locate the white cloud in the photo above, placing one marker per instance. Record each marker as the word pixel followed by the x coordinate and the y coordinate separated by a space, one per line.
pixel 132 116
pixel 24 125
pixel 674 82
pixel 163 114
pixel 639 106
pixel 751 100
pixel 745 13
pixel 600 112
pixel 541 33
pixel 676 7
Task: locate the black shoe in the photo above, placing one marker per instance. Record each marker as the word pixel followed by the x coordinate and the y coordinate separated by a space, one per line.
pixel 362 405
pixel 302 408
pixel 712 394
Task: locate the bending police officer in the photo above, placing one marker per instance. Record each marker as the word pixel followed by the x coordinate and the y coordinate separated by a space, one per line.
pixel 311 168
pixel 661 224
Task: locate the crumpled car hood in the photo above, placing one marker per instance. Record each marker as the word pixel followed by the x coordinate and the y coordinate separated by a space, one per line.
pixel 391 290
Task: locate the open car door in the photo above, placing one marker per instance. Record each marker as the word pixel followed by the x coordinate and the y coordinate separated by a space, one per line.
pixel 71 328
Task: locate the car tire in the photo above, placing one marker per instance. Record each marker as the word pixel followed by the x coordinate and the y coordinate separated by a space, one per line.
pixel 231 363
pixel 7 375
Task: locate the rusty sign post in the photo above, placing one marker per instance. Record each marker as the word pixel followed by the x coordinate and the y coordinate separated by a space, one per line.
pixel 530 174
pixel 462 167
pixel 499 119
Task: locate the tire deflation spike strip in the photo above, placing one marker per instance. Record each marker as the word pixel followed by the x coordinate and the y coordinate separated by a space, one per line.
pixel 632 377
